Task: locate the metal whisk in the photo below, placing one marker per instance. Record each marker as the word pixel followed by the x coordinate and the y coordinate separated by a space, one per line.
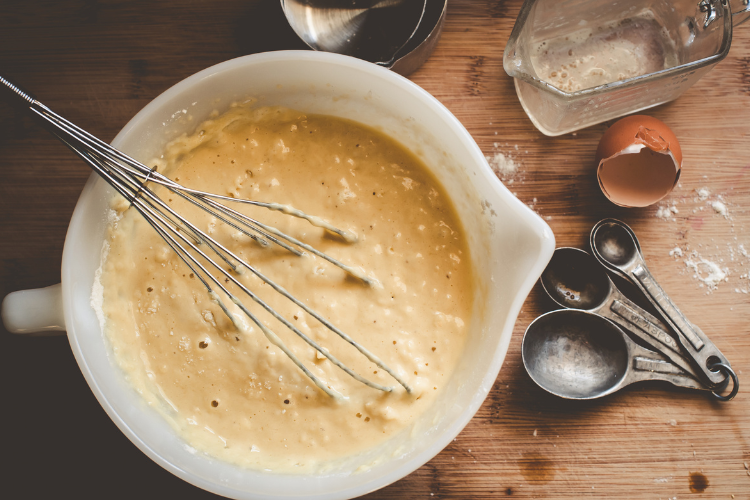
pixel 130 178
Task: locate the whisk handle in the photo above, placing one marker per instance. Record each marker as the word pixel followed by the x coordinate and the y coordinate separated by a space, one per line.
pixel 17 90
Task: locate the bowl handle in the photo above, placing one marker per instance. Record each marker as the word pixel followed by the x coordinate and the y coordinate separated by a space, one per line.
pixel 37 312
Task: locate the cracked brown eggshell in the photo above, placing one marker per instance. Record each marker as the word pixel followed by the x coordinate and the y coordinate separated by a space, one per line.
pixel 639 161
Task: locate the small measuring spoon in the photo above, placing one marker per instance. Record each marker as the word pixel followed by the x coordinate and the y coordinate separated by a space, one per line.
pixel 575 280
pixel 615 245
pixel 580 355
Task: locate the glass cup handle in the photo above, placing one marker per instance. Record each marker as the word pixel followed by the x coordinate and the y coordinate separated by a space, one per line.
pixel 740 11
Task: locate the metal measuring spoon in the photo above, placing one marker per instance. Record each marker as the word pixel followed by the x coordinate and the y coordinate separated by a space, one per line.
pixel 615 245
pixel 580 355
pixel 396 34
pixel 373 30
pixel 575 280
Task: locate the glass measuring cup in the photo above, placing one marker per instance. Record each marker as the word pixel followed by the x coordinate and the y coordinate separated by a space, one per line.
pixel 690 37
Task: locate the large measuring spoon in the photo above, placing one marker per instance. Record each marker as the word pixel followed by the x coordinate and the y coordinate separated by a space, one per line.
pixel 580 355
pixel 575 280
pixel 615 245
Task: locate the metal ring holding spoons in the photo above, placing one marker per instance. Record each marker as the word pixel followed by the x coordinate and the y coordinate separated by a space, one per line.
pixel 735 382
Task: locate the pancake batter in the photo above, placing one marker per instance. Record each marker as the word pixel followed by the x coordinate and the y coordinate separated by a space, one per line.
pixel 230 392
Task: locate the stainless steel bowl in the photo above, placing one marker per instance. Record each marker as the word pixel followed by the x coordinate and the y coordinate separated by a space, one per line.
pixel 396 34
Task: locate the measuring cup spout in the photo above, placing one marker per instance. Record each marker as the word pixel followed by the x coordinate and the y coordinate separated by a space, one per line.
pixel 516 58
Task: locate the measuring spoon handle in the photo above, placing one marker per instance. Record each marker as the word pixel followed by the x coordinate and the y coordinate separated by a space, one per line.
pixel 693 340
pixel 645 366
pixel 648 328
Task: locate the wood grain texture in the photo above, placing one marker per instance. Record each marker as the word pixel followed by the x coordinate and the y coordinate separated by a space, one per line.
pixel 99 62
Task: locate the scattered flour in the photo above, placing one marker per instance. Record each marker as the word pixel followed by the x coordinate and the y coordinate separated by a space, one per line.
pixel 502 165
pixel 663 212
pixel 706 271
pixel 719 207
pixel 506 165
pixel 716 263
pixel 667 212
pixel 718 203
pixel 509 169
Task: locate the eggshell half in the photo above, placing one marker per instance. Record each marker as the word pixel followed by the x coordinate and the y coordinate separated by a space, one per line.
pixel 639 161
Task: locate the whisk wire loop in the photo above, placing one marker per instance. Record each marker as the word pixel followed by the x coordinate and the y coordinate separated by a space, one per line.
pixel 131 178
pixel 143 200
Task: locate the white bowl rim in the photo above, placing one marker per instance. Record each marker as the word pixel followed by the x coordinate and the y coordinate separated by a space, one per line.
pixel 530 218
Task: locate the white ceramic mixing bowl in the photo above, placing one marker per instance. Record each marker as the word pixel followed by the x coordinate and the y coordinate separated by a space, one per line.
pixel 510 245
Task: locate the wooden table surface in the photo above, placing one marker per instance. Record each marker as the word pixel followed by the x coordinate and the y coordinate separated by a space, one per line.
pixel 99 62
